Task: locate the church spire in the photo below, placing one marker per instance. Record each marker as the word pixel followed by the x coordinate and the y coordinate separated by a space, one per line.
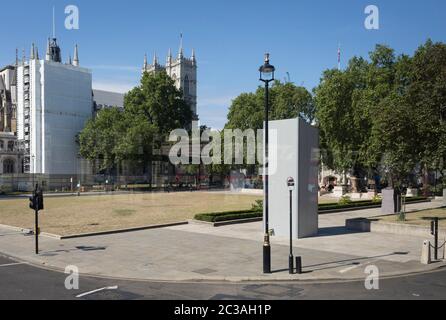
pixel 37 54
pixel 76 56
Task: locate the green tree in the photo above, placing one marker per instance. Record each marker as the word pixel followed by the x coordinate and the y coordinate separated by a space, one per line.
pixel 386 113
pixel 286 101
pixel 394 139
pixel 247 111
pixel 158 102
pixel 151 111
pixel 101 137
pixel 427 93
pixel 348 103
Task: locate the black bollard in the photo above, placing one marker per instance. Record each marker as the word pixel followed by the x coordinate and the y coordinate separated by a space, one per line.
pixel 299 265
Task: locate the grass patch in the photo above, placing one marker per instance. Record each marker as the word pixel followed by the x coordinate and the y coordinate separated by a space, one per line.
pixel 419 218
pixel 124 212
pixel 98 213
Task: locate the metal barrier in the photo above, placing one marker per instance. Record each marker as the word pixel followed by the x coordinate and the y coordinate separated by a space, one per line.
pixel 435 232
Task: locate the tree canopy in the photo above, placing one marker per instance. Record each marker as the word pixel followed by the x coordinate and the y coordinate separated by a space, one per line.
pixel 385 114
pixel 286 101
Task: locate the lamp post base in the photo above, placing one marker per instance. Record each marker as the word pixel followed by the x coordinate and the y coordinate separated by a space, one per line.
pixel 291 264
pixel 267 256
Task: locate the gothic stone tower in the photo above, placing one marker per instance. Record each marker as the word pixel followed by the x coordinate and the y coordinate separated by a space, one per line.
pixel 183 71
pixel 8 99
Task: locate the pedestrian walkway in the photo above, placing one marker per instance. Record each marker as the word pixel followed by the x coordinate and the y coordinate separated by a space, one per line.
pixel 233 253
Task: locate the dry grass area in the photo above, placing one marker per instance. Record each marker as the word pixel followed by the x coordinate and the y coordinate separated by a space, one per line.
pixel 74 215
pixel 418 218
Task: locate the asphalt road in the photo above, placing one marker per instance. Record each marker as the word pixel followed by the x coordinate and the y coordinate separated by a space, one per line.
pixel 25 282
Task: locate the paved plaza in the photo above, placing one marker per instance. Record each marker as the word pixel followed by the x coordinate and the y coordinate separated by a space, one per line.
pixel 199 252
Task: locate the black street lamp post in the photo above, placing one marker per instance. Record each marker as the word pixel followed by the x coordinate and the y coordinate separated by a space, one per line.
pixel 291 186
pixel 266 75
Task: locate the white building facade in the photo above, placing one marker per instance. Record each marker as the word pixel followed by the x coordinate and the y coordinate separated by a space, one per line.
pixel 54 103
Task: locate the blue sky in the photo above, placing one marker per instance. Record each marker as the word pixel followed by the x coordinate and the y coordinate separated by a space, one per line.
pixel 230 38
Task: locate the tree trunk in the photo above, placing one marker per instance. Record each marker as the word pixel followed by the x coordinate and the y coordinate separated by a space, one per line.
pixel 426 181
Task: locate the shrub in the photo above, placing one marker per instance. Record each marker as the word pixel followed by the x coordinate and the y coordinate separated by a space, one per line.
pixel 345 200
pixel 226 216
pixel 257 206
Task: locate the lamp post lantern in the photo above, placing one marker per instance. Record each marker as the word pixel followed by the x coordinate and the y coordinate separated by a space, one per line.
pixel 266 76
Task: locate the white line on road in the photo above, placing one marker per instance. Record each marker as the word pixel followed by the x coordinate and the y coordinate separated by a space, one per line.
pixel 12 264
pixel 350 268
pixel 96 291
pixel 354 267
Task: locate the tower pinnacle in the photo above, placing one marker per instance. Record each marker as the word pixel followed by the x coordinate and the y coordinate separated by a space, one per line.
pixel 32 55
pixel 155 59
pixel 169 57
pixel 145 65
pixel 76 56
pixel 181 52
pixel 193 57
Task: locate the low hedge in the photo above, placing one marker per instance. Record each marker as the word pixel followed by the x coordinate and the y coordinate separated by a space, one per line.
pixel 244 214
pixel 362 203
pixel 228 216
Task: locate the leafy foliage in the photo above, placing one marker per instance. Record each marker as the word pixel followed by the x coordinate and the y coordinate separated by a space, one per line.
pixel 385 115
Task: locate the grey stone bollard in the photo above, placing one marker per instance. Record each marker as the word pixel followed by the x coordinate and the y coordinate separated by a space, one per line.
pixel 391 202
pixel 426 253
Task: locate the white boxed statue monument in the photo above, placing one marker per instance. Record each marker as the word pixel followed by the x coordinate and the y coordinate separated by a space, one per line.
pixel 294 152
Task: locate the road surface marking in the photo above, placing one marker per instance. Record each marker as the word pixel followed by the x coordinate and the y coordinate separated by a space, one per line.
pixel 350 268
pixel 11 264
pixel 354 267
pixel 96 291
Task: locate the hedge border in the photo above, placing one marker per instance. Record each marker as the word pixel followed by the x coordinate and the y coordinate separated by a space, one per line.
pixel 249 214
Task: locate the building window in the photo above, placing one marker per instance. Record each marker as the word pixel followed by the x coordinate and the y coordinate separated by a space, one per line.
pixel 8 166
pixel 186 86
pixel 11 146
pixel 2 144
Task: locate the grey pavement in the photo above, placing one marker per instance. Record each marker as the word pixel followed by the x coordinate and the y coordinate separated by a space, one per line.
pixel 198 252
